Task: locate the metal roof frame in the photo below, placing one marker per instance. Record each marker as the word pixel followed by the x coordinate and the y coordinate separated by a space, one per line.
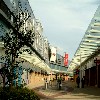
pixel 89 44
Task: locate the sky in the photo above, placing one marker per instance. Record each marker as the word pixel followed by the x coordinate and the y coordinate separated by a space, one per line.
pixel 64 22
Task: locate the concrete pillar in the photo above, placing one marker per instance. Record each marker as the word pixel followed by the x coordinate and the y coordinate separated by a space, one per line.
pixel 97 77
pixel 80 78
pixel 89 76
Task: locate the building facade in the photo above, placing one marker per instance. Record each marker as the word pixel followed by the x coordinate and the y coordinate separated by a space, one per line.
pixel 10 10
pixel 87 56
pixel 35 65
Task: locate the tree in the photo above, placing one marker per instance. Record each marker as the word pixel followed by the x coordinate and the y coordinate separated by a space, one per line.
pixel 14 40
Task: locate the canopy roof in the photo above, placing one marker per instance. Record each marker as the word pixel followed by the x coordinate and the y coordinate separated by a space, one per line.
pixel 89 43
pixel 36 61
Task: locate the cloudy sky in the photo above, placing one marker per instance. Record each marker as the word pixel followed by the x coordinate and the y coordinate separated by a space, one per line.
pixel 64 21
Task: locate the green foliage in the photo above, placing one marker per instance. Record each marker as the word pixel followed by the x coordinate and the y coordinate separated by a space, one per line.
pixel 17 93
pixel 14 40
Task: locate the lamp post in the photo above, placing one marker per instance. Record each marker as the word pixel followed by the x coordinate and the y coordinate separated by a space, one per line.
pixel 80 74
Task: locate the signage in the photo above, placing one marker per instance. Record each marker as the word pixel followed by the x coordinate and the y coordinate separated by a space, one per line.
pixel 97 61
pixel 53 54
pixel 66 59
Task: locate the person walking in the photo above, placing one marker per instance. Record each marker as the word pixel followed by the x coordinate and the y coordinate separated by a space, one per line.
pixel 83 81
pixel 59 81
pixel 78 81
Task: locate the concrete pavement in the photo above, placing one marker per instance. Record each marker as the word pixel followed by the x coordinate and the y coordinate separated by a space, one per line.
pixel 68 91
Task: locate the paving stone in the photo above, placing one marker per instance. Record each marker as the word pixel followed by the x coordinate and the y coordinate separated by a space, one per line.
pixel 69 92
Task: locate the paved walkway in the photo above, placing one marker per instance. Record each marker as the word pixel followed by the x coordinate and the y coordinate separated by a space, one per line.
pixel 68 92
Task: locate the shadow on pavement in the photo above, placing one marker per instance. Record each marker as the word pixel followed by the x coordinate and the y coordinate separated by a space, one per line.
pixel 87 92
pixel 52 91
pixel 68 91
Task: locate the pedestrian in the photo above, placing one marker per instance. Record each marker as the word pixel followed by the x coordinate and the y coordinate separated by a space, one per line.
pixel 59 83
pixel 83 81
pixel 78 81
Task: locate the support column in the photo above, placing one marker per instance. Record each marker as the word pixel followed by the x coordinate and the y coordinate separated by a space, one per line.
pixel 97 65
pixel 93 76
pixel 89 76
pixel 80 78
pixel 97 77
pixel 80 74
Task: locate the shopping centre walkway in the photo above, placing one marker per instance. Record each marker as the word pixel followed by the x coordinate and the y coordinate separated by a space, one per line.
pixel 69 91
